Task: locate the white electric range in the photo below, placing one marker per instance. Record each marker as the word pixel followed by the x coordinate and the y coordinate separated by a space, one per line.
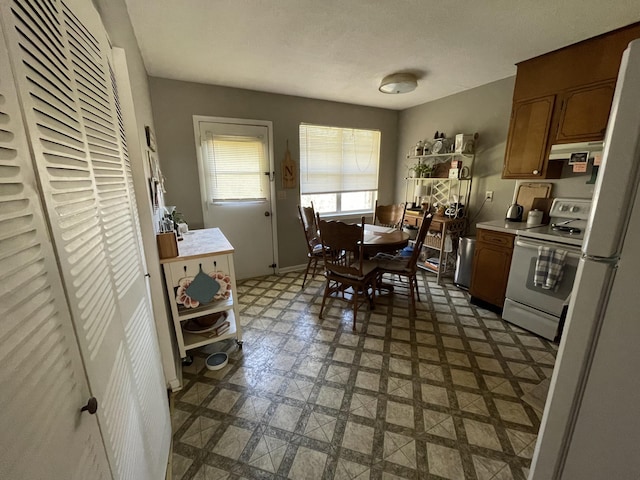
pixel 568 219
pixel 532 307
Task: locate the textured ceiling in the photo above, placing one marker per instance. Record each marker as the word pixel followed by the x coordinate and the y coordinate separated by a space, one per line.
pixel 340 50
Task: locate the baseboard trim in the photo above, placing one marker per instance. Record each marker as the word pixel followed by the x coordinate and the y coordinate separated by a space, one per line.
pixel 175 385
pixel 294 268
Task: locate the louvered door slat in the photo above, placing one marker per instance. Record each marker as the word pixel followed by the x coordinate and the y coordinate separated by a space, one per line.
pixel 47 100
pixel 93 74
pixel 41 376
pixel 76 132
pixel 89 40
pixel 127 160
pixel 105 139
pixel 46 32
pixel 48 9
pixel 142 355
pixel 34 49
pixel 49 84
pixel 111 167
pixel 123 421
pixel 83 61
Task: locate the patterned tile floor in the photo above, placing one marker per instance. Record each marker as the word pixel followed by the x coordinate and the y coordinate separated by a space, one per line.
pixel 431 397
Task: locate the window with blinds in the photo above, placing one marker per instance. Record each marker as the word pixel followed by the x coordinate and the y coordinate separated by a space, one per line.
pixel 234 167
pixel 339 168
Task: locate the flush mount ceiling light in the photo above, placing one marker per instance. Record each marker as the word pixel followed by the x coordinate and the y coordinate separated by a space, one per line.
pixel 399 83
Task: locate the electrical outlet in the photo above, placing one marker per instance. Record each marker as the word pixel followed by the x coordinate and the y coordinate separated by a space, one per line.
pixel 489 196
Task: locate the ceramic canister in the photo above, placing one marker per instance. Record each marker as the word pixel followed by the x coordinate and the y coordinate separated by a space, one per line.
pixel 534 217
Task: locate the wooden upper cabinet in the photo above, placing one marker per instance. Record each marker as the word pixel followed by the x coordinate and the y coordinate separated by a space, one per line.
pixel 585 113
pixel 589 62
pixel 528 134
pixel 572 90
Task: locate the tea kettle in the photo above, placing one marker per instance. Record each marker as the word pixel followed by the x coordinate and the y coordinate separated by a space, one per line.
pixel 514 213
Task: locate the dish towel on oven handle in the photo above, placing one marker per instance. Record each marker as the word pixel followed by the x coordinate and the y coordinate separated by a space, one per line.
pixel 549 267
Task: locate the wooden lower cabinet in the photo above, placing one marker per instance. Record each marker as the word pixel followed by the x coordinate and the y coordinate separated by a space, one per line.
pixel 491 263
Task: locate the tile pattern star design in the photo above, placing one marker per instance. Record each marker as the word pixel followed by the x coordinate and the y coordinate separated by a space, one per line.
pixel 435 395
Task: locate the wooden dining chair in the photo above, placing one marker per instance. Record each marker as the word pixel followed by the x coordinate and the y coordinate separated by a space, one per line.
pixel 406 267
pixel 389 215
pixel 347 272
pixel 312 238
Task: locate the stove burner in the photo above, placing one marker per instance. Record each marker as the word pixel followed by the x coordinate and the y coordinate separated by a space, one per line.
pixel 565 229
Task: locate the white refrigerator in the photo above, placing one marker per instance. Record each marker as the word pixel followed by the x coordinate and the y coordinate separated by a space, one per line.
pixel 591 423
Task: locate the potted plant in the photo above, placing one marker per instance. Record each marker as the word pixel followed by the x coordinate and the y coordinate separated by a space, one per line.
pixel 422 170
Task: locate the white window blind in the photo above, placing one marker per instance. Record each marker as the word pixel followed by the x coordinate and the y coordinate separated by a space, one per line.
pixel 234 167
pixel 336 159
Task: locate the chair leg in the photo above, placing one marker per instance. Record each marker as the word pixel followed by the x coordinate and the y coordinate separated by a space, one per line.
pixel 324 298
pixel 415 282
pixel 315 266
pixel 307 271
pixel 374 285
pixel 412 299
pixel 355 307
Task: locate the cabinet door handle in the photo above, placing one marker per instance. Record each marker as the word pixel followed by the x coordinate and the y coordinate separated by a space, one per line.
pixel 536 172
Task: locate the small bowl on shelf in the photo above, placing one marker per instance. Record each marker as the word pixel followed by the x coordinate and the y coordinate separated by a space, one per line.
pixel 209 320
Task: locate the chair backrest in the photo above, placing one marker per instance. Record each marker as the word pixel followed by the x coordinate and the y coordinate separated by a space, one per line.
pixel 389 215
pixel 343 246
pixel 309 225
pixel 417 246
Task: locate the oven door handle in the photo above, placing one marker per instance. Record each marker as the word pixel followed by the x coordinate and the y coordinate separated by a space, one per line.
pixel 571 251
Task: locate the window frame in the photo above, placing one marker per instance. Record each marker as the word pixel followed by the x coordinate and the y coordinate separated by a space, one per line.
pixel 212 171
pixel 339 211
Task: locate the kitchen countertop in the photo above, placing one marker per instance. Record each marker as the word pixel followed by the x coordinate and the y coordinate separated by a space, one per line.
pixel 201 243
pixel 504 226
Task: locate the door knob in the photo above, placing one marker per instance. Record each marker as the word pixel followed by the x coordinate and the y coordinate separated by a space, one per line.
pixel 267 214
pixel 91 406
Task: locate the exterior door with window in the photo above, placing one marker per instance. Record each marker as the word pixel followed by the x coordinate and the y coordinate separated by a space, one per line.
pixel 235 165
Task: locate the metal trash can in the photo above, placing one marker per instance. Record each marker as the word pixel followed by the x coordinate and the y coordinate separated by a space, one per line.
pixel 464 262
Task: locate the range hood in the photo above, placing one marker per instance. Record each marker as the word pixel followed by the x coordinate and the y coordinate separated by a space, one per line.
pixel 563 151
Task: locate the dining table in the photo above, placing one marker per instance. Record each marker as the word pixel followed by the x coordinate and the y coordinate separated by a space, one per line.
pixel 379 239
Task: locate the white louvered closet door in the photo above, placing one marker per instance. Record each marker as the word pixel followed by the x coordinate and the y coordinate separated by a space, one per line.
pixel 66 84
pixel 43 434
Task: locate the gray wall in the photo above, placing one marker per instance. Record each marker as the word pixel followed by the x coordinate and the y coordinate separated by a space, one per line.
pixel 486 110
pixel 116 21
pixel 175 103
